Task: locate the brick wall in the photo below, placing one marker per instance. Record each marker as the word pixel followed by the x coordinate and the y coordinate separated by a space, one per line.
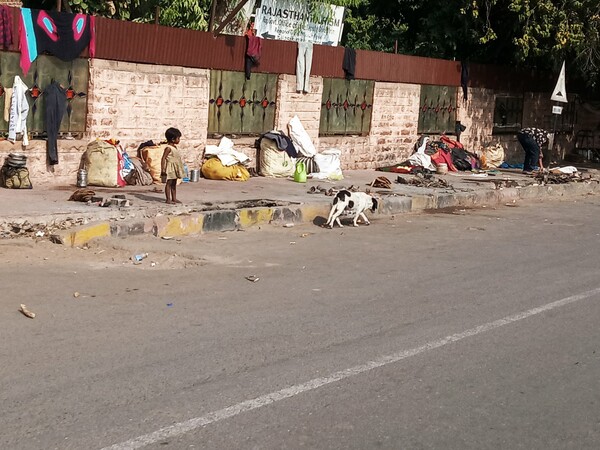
pixel 306 106
pixel 138 102
pixel 394 123
pixel 64 173
pixel 477 114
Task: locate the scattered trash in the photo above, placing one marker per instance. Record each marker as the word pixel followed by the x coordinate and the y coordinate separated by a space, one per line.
pixel 138 258
pixel 556 177
pixel 222 238
pixel 100 252
pixel 82 195
pixel 288 225
pixel 381 182
pixel 252 278
pixel 292 242
pixel 425 180
pixel 152 264
pixel 76 294
pixel 167 238
pixel 169 305
pixel 304 235
pixel 476 229
pixel 26 312
pixel 56 239
pixel 39 234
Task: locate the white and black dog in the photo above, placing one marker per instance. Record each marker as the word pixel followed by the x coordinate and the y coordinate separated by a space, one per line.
pixel 358 202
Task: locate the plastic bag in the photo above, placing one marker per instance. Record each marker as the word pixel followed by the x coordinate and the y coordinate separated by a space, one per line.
pixel 300 138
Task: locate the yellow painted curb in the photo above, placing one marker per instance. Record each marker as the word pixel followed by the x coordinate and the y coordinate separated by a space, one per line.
pixel 251 217
pixel 182 226
pixel 79 237
pixel 311 212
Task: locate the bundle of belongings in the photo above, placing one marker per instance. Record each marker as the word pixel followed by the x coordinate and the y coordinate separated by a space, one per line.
pixel 103 161
pixel 279 154
pixel 14 173
pixel 429 155
pixel 222 162
pixel 147 166
pixel 492 156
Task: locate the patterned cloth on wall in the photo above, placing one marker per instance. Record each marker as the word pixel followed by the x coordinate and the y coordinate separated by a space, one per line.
pixel 63 35
pixel 6 39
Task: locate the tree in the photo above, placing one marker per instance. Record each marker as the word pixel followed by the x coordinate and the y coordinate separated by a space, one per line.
pixel 534 34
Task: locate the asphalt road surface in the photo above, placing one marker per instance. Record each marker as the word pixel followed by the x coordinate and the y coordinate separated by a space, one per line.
pixel 474 329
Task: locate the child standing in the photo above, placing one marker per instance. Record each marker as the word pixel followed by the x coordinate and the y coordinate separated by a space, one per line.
pixel 172 165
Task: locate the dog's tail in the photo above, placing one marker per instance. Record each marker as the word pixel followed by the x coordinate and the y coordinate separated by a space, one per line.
pixel 375 205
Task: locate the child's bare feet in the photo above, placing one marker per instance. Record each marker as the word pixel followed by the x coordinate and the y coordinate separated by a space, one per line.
pixel 169 202
pixel 177 201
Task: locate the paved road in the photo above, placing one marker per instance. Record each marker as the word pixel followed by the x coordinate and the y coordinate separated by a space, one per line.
pixel 473 329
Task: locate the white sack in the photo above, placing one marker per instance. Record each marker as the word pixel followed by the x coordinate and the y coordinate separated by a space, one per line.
pixel 273 162
pixel 420 158
pixel 494 156
pixel 329 165
pixel 225 152
pixel 300 138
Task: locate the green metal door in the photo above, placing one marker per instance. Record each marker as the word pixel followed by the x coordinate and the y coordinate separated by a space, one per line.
pixel 241 106
pixel 73 76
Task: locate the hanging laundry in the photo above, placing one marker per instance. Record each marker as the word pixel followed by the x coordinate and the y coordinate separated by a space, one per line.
pixel 56 105
pixel 464 78
pixel 349 64
pixel 303 66
pixel 63 35
pixel 253 51
pixel 19 108
pixel 8 93
pixel 6 39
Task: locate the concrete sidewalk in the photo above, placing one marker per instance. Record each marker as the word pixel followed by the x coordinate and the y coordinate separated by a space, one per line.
pixel 210 205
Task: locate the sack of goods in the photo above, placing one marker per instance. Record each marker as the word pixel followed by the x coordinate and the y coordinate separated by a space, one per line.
pixel 14 173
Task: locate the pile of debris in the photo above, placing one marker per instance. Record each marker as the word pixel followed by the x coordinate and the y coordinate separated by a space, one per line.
pixel 89 196
pixel 381 182
pixel 10 230
pixel 425 180
pixel 331 191
pixel 552 177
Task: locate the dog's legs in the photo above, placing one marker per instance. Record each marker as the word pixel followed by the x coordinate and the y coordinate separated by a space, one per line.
pixel 329 222
pixel 334 217
pixel 364 218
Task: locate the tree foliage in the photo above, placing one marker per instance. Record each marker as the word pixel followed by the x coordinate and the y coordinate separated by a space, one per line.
pixel 536 34
pixel 529 33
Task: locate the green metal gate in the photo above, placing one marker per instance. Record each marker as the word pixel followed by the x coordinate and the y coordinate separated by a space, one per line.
pixel 346 106
pixel 72 75
pixel 438 109
pixel 241 106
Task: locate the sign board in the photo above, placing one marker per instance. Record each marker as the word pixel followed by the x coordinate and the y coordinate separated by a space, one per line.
pixel 291 20
pixel 557 109
pixel 560 91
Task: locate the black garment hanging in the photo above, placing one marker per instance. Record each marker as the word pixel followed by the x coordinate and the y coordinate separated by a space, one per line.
pixel 464 78
pixel 56 104
pixel 349 64
pixel 253 53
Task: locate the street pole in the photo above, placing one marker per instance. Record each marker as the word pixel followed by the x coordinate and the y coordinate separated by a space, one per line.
pixel 553 134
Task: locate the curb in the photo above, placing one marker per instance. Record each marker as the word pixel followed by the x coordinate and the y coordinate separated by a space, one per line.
pixel 238 219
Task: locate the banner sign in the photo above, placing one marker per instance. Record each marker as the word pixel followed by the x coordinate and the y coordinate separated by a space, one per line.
pixel 291 20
